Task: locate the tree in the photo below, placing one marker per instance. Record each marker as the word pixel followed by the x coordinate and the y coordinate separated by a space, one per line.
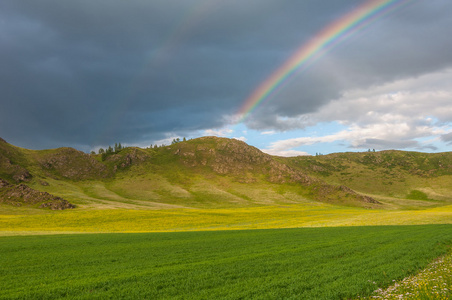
pixel 118 147
pixel 101 150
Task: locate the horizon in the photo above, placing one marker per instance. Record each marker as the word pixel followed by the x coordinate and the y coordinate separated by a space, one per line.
pixel 104 147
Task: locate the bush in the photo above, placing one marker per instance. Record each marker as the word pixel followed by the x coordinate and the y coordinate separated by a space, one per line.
pixel 417 195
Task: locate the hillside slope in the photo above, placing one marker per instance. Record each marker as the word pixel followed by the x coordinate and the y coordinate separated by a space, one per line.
pixel 390 175
pixel 205 172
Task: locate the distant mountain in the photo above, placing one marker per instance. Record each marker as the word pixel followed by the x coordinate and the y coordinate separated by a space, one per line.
pixel 213 172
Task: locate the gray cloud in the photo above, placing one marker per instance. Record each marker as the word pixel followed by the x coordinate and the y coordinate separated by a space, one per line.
pixel 85 73
pixel 447 138
pixel 380 144
pixel 406 45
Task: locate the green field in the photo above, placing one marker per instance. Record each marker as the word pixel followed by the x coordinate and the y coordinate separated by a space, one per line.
pixel 216 218
pixel 305 263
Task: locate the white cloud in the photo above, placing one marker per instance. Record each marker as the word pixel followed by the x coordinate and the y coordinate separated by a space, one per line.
pixel 392 115
pixel 271 132
pixel 166 141
pixel 223 132
pixel 242 138
pixel 409 100
pixel 287 153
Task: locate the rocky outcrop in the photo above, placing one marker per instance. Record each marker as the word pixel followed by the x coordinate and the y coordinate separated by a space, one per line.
pixel 122 161
pixel 73 164
pixel 21 194
pixel 4 183
pixel 16 172
pixel 363 198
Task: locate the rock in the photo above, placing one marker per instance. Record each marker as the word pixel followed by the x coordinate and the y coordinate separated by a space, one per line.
pixel 58 205
pixel 368 199
pixel 22 194
pixel 22 175
pixel 124 161
pixel 4 183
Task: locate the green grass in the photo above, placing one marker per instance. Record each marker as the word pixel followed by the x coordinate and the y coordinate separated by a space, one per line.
pixel 211 173
pixel 433 282
pixel 386 173
pixel 185 187
pixel 417 195
pixel 308 263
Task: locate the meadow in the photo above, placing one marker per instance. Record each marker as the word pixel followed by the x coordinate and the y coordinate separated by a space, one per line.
pixel 26 221
pixel 215 218
pixel 304 263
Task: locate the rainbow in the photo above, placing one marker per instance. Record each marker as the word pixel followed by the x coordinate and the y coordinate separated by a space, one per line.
pixel 323 42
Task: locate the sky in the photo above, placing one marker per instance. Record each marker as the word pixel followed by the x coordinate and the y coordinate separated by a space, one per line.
pixel 88 74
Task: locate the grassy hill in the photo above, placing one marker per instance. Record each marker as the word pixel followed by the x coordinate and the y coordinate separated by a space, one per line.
pixel 398 178
pixel 220 173
pixel 207 172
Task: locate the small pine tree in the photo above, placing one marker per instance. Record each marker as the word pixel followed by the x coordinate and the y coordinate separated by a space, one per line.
pixel 118 147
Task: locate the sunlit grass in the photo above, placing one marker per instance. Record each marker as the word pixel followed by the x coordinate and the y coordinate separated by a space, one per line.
pixel 306 263
pixel 281 216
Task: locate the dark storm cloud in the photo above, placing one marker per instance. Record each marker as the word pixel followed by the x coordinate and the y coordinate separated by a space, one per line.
pixel 86 73
pixel 73 71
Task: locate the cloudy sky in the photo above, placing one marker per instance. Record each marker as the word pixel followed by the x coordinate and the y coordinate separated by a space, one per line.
pixel 87 74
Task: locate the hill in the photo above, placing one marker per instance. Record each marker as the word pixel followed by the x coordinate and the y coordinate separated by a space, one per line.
pixel 205 172
pixel 211 172
pixel 390 176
